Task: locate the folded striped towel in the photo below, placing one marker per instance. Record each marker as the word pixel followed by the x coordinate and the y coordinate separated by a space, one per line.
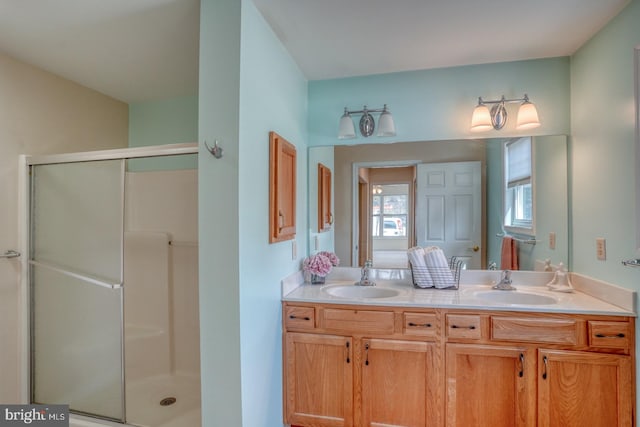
pixel 438 267
pixel 421 276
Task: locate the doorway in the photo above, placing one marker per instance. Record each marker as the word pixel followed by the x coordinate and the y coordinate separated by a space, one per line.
pixel 385 215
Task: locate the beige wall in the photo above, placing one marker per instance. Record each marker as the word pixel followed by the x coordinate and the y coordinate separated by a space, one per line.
pixel 40 113
pixel 424 152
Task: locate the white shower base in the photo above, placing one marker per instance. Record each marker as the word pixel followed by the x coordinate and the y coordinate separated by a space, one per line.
pixel 143 403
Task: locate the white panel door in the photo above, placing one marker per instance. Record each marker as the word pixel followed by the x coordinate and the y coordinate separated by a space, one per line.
pixel 448 209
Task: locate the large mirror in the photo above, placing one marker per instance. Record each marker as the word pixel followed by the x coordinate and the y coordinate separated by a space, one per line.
pixel 389 197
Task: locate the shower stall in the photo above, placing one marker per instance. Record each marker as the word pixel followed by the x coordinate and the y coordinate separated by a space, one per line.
pixel 112 281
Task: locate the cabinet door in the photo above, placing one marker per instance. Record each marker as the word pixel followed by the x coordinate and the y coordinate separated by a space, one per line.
pixel 578 389
pixel 399 383
pixel 319 380
pixel 490 386
pixel 282 189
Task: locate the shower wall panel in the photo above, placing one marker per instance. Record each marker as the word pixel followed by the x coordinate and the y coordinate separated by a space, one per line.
pixel 166 202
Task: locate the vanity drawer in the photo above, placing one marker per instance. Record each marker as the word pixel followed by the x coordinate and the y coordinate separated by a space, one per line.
pixel 532 329
pixel 609 334
pixel 299 317
pixel 421 324
pixel 358 320
pixel 464 326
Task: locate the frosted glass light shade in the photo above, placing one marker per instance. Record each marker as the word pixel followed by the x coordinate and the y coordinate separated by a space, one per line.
pixel 386 126
pixel 481 119
pixel 347 130
pixel 527 116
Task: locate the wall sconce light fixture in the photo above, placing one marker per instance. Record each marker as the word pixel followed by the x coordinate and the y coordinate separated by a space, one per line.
pixel 386 126
pixel 484 119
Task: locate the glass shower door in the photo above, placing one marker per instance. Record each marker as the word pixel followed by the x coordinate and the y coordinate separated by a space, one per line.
pixel 76 286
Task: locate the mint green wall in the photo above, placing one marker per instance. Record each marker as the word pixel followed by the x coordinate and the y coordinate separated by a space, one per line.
pixel 169 121
pixel 551 183
pixel 603 153
pixel 273 96
pixel 437 104
pixel 494 199
pixel 249 85
pixel 602 130
pixel 218 213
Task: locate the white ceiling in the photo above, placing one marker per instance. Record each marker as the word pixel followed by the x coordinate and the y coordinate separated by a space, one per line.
pixel 138 50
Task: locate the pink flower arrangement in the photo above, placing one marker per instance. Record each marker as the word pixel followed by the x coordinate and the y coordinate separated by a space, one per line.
pixel 321 263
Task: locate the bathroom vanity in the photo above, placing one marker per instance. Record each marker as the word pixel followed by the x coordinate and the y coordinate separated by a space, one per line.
pixel 454 358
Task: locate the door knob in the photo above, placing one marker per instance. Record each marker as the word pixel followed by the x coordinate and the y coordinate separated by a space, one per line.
pixel 476 248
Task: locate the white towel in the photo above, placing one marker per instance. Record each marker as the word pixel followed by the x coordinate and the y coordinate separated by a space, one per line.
pixel 438 267
pixel 421 276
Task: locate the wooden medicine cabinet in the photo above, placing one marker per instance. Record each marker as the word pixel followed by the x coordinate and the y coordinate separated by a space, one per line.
pixel 282 189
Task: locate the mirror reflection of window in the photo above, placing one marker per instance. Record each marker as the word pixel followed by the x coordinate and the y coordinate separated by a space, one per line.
pixel 518 189
pixel 389 226
pixel 389 211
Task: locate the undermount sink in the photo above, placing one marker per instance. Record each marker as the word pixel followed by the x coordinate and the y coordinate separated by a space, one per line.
pixel 515 297
pixel 353 291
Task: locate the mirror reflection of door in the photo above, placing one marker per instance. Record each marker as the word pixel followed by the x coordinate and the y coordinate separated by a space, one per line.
pixel 448 209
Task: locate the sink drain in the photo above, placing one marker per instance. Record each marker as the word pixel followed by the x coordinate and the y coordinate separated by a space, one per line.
pixel 168 401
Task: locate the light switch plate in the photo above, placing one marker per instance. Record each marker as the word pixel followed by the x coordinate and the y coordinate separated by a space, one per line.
pixel 294 250
pixel 552 240
pixel 601 248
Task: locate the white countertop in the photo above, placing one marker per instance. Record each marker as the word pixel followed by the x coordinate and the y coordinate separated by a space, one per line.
pixel 474 292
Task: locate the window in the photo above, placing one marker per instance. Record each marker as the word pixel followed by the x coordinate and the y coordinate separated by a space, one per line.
pixel 518 186
pixel 389 210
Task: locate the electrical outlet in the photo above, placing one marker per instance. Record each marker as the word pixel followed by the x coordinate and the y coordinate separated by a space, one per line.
pixel 601 248
pixel 552 240
pixel 294 250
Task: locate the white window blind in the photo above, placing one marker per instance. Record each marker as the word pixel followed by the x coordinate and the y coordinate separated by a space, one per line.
pixel 519 162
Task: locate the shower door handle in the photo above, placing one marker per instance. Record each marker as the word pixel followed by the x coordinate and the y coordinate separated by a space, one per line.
pixel 10 254
pixel 76 275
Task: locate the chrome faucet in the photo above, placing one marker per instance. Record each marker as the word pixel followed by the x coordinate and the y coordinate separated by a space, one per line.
pixel 364 278
pixel 505 282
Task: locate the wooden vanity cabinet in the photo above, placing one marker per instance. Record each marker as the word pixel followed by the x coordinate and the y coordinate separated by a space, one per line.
pixel 434 367
pixel 529 369
pixel 395 382
pixel 370 373
pixel 577 389
pixel 490 386
pixel 319 380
